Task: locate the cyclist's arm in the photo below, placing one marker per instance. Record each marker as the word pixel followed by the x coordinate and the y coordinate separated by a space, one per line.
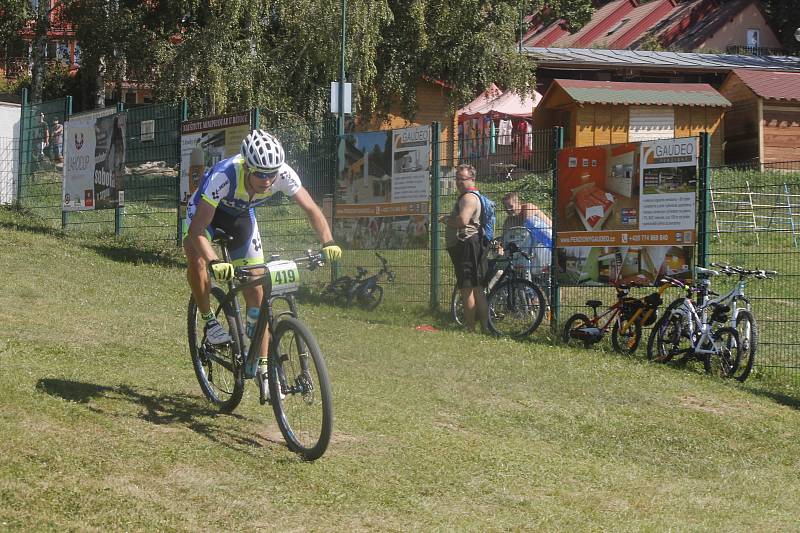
pixel 197 230
pixel 532 210
pixel 315 216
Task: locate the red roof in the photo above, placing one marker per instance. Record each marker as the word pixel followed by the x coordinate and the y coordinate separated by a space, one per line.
pixel 770 84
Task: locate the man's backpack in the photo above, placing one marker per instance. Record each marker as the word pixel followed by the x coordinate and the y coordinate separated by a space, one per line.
pixel 488 217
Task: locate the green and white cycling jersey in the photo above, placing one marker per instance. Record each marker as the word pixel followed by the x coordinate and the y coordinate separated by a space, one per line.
pixel 223 187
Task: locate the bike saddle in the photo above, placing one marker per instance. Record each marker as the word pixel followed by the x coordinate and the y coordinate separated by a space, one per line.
pixel 706 272
pixel 594 304
pixel 221 237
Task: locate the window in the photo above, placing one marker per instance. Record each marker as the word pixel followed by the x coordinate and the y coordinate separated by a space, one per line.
pixel 148 128
pixel 753 38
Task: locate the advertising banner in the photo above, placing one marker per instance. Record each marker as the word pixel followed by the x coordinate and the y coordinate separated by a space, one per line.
pixel 626 212
pixel 383 194
pixel 94 163
pixel 206 141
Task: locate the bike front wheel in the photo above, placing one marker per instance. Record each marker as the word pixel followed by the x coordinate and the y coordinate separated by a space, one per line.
pixel 218 368
pixel 628 341
pixel 516 308
pixel 457 307
pixel 300 389
pixel 371 298
pixel 727 353
pixel 748 335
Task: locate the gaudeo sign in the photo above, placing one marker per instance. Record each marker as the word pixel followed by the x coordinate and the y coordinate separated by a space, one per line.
pixel 626 213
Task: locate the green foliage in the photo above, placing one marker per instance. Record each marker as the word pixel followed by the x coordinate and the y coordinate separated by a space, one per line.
pixel 784 15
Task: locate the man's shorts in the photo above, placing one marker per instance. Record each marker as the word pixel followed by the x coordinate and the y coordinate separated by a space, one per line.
pixel 245 249
pixel 470 262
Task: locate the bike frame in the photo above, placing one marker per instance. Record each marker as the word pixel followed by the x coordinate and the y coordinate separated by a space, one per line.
pixel 615 310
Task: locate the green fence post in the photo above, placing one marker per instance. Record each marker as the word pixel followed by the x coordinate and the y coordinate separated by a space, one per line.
pixel 179 221
pixel 704 162
pixel 67 114
pixel 118 211
pixel 23 145
pixel 436 132
pixel 555 302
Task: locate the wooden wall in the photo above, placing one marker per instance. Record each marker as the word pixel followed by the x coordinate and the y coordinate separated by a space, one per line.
pixel 781 123
pixel 741 129
pixel 607 124
pixel 432 105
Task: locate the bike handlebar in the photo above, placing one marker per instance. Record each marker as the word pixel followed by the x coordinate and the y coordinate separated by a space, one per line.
pixel 312 260
pixel 729 270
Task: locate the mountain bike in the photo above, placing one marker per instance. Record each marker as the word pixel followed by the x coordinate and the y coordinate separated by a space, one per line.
pixel 364 290
pixel 297 377
pixel 689 330
pixel 741 316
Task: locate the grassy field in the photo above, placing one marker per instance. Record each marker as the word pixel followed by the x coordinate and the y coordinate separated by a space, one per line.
pixel 104 426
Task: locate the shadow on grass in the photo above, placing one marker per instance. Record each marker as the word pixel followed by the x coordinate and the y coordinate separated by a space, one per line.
pixel 778 397
pixel 160 409
pixel 137 256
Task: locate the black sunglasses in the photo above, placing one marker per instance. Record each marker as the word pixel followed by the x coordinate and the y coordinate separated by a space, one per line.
pixel 265 175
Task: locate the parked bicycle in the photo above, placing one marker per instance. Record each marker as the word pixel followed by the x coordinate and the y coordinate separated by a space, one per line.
pixel 516 304
pixel 297 378
pixel 580 329
pixel 741 316
pixel 690 330
pixel 364 290
pixel 634 314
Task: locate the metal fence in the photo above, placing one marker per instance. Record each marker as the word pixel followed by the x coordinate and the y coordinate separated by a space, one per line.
pixel 749 215
pixel 753 218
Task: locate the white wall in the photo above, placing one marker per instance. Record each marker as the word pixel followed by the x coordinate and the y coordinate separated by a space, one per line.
pixel 9 151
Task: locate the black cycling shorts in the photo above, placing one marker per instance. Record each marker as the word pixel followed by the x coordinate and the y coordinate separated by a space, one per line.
pixel 470 262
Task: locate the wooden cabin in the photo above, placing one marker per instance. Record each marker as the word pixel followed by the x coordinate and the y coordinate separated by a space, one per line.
pixel 433 105
pixel 764 123
pixel 608 112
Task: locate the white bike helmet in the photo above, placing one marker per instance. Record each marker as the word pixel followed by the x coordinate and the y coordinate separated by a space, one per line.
pixel 262 151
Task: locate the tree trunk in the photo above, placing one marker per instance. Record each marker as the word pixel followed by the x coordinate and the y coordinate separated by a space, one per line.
pixel 100 94
pixel 39 51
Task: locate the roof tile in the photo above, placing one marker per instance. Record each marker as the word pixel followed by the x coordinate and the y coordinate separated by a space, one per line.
pixel 770 84
pixel 636 93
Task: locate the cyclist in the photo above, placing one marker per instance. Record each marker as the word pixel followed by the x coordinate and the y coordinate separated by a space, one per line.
pixel 539 225
pixel 225 199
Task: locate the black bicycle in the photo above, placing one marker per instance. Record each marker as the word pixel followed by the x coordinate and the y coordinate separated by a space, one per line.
pixel 297 377
pixel 516 304
pixel 366 291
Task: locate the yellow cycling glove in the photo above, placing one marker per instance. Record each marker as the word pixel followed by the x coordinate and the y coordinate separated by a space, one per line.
pixel 331 251
pixel 221 270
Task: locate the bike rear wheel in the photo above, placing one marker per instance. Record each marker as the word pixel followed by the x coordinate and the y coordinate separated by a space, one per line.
pixel 516 308
pixel 297 370
pixel 748 335
pixel 727 353
pixel 218 368
pixel 572 325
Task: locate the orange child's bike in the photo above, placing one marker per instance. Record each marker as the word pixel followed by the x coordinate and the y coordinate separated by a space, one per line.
pixel 625 318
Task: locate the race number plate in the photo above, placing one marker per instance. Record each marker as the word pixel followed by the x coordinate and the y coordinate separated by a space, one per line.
pixel 285 276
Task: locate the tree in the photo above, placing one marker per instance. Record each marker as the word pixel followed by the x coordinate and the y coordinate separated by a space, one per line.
pixel 784 15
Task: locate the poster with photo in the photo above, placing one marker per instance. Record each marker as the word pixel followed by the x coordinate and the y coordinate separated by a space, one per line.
pixel 94 163
pixel 383 192
pixel 626 212
pixel 205 142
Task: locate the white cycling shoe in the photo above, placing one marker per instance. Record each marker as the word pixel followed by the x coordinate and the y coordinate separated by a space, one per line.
pixel 216 334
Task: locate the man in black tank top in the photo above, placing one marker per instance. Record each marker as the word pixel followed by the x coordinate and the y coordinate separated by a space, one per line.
pixel 466 249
